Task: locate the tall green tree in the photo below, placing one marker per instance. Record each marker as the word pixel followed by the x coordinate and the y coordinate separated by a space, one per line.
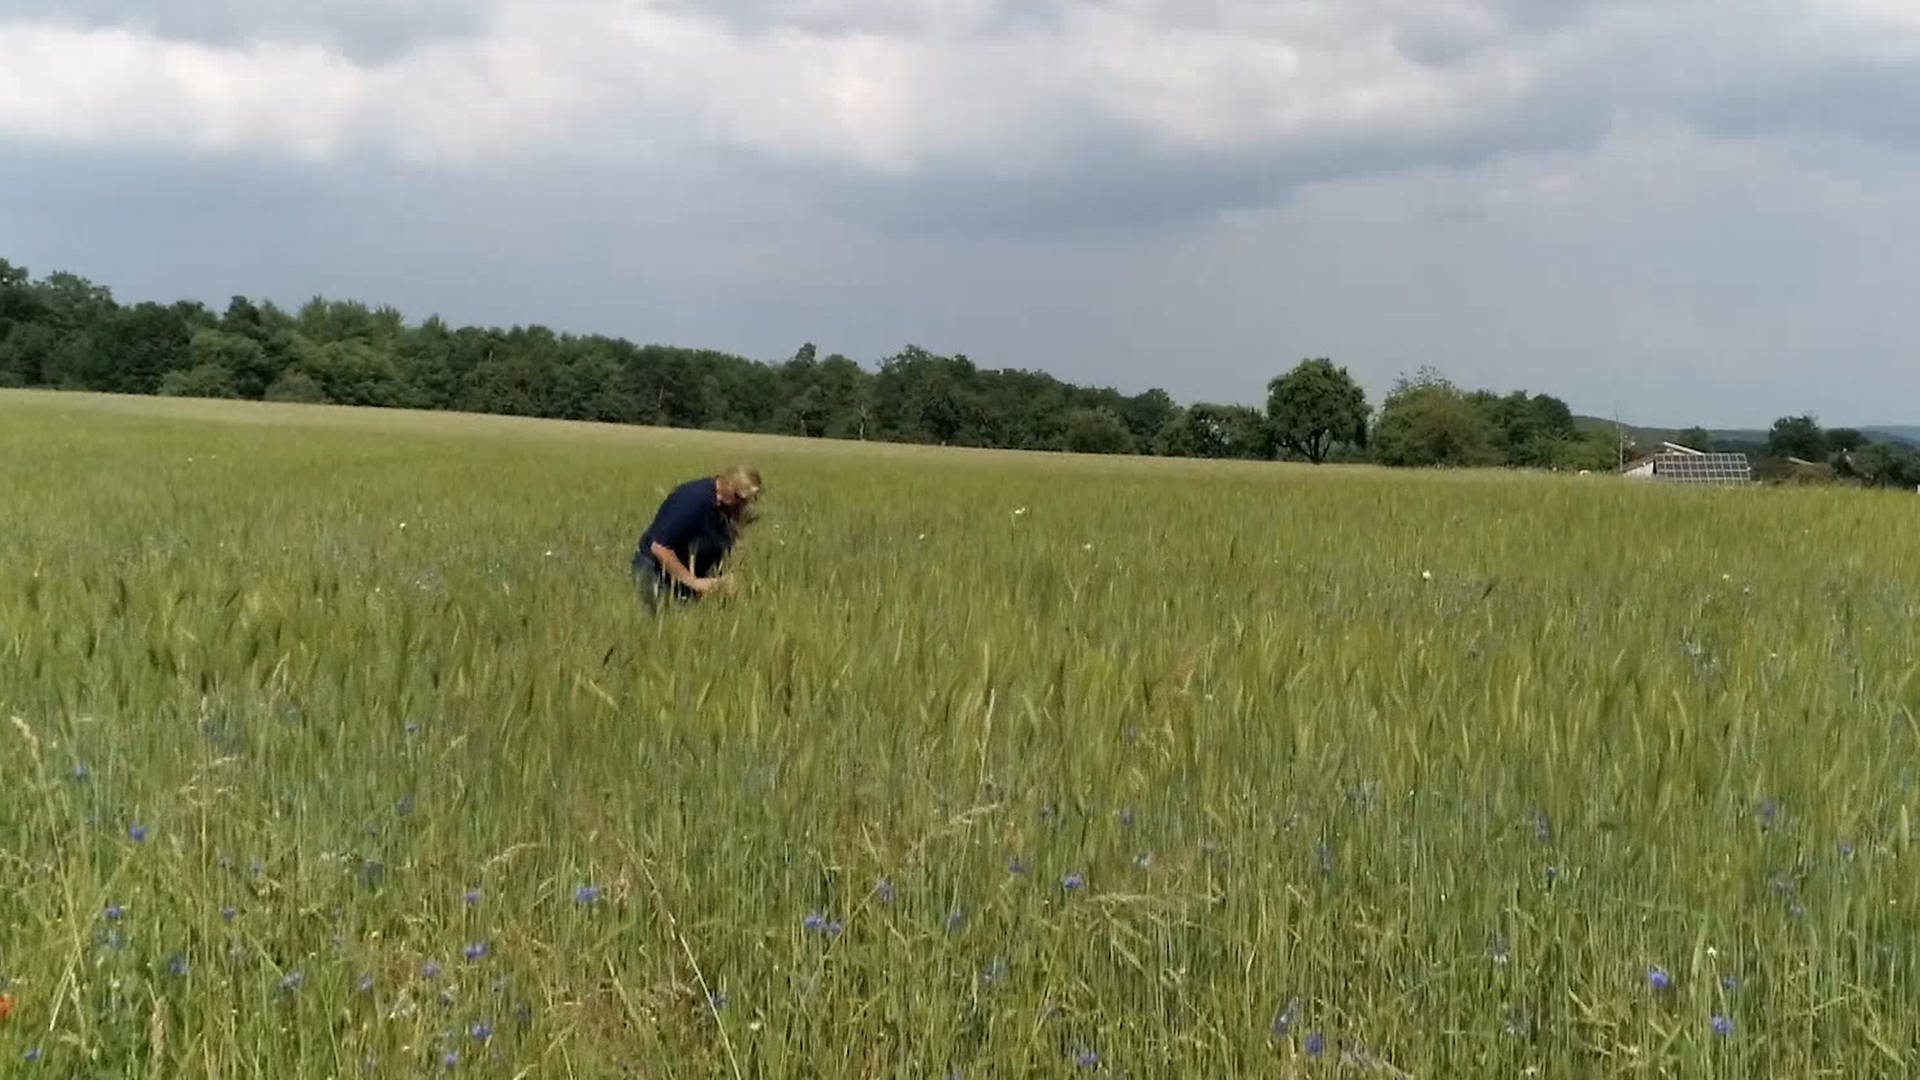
pixel 1426 421
pixel 1797 436
pixel 1315 407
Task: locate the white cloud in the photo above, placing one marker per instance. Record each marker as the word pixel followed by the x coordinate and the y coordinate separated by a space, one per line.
pixel 120 87
pixel 936 83
pixel 1161 92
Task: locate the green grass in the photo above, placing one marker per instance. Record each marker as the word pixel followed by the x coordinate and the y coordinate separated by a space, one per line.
pixel 345 666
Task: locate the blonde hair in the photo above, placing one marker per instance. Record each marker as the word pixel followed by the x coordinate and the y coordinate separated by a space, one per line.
pixel 742 480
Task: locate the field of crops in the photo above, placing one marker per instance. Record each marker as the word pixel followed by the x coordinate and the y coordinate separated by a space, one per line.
pixel 335 743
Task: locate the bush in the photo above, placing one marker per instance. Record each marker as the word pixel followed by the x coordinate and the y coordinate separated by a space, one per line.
pixel 204 381
pixel 297 387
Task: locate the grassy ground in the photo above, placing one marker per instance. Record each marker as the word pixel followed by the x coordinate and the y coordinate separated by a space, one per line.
pixel 335 743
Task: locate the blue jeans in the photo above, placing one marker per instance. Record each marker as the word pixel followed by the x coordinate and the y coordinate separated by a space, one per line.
pixel 656 589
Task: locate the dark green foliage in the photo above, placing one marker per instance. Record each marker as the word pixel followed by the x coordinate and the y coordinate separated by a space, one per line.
pixel 1316 407
pixel 1844 440
pixel 1881 464
pixel 204 381
pixel 65 332
pixel 1097 431
pixel 1798 436
pixel 1426 421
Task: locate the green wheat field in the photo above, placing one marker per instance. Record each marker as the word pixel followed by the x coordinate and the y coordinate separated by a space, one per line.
pixel 335 743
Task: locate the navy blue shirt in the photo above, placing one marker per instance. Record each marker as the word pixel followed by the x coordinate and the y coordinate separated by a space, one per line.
pixel 690 524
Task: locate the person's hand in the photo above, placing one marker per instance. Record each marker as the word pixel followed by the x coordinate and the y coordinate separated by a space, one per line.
pixel 705 585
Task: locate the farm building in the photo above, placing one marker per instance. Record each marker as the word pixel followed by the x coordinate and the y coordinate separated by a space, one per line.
pixel 1677 464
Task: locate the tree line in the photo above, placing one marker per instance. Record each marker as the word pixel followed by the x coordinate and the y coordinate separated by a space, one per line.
pixel 63 331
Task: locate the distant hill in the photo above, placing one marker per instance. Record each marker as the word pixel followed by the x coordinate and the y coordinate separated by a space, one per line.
pixel 1650 436
pixel 1907 434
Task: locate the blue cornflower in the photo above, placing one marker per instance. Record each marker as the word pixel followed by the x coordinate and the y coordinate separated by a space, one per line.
pixel 1658 979
pixel 365 983
pixel 115 913
pixel 32 1055
pixel 1553 874
pixel 1088 1059
pixel 177 965
pixel 1727 982
pixel 1143 861
pixel 884 890
pixel 1316 1044
pixel 814 923
pixel 717 1000
pixel 430 969
pixel 476 951
pixel 482 1030
pixel 450 1059
pixel 1073 882
pixel 137 833
pixel 1016 865
pixel 1722 1026
pixel 227 914
pixel 586 894
pixel 80 773
pixel 473 897
pixel 293 980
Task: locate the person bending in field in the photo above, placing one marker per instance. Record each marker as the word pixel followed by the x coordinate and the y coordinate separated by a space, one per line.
pixel 680 554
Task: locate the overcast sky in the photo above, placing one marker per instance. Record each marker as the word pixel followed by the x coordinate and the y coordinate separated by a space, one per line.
pixel 1688 210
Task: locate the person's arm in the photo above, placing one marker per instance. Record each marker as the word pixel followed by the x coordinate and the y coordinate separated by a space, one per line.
pixel 677 570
